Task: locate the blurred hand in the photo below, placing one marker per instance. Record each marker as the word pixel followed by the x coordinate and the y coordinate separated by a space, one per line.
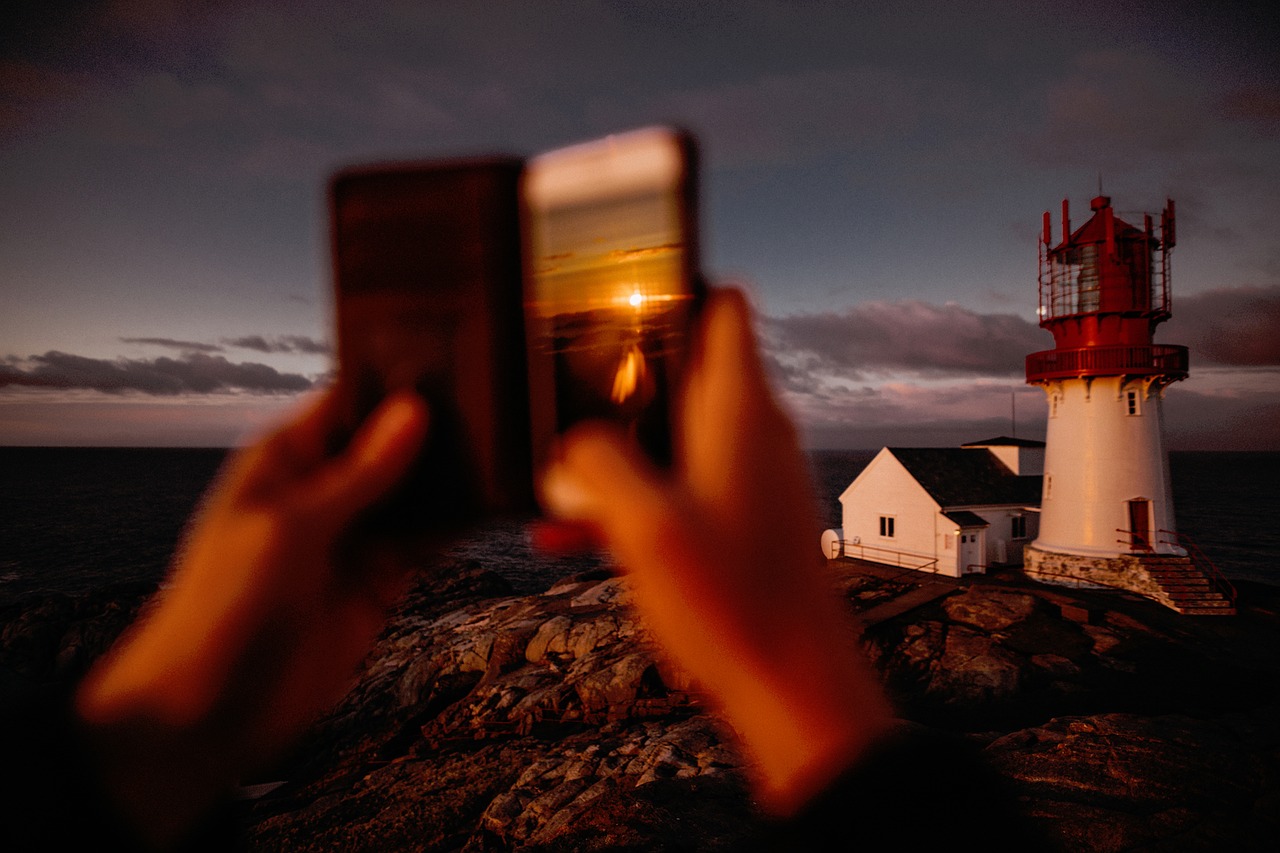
pixel 262 622
pixel 722 554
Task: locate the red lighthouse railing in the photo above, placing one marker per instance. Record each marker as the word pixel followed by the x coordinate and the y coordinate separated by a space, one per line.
pixel 1150 360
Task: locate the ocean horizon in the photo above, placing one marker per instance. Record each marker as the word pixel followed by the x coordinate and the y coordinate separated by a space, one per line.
pixel 79 518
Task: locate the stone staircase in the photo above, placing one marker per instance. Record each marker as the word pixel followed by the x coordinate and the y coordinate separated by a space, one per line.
pixel 1186 587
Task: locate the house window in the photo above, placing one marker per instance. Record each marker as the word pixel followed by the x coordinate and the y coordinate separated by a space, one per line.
pixel 1018 527
pixel 886 526
pixel 1131 403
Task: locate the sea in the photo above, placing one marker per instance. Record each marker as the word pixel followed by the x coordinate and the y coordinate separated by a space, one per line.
pixel 74 519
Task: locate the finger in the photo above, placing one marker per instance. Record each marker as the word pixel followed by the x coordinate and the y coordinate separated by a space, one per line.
pixel 580 485
pixel 377 458
pixel 733 430
pixel 291 449
pixel 642 518
pixel 731 348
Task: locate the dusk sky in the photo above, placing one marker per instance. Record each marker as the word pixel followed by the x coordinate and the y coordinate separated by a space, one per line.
pixel 875 176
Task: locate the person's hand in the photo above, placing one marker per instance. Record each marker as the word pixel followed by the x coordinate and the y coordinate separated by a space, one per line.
pixel 261 623
pixel 722 555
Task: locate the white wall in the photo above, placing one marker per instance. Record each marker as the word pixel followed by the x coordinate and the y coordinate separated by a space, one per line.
pixel 1000 528
pixel 1023 461
pixel 1098 458
pixel 884 488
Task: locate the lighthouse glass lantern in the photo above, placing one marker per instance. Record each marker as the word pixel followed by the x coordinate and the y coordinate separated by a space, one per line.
pixel 1103 290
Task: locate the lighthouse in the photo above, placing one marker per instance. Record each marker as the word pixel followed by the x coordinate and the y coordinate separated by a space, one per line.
pixel 1106 507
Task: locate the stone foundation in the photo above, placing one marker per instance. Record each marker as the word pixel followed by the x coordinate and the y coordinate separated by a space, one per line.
pixel 1125 572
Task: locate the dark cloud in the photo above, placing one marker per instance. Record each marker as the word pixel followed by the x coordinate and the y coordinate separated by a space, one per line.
pixel 1229 325
pixel 192 373
pixel 301 343
pixel 280 343
pixel 185 346
pixel 911 335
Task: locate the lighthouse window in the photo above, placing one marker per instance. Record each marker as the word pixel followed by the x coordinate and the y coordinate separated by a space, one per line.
pixel 886 526
pixel 1131 401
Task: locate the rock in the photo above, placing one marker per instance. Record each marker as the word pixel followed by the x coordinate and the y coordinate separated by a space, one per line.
pixel 612 689
pixel 55 637
pixel 614 592
pixel 987 610
pixel 1056 666
pixel 585 636
pixel 923 644
pixel 552 638
pixel 1119 781
pixel 563 686
pixel 484 720
pixel 974 669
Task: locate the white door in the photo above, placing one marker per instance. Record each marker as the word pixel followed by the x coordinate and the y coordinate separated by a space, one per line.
pixel 970 551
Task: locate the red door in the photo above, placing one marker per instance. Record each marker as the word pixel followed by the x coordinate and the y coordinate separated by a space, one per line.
pixel 1140 525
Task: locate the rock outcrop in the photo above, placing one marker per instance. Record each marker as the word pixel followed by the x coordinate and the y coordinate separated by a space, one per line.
pixel 503 722
pixel 56 636
pixel 485 720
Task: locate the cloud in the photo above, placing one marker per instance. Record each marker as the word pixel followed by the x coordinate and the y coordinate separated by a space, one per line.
pixel 919 414
pixel 185 346
pixel 908 336
pixel 192 373
pixel 1229 325
pixel 281 343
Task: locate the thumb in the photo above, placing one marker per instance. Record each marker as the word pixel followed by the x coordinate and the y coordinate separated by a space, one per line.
pixel 377 458
pixel 601 480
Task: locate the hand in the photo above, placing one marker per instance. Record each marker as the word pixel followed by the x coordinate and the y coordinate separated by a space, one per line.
pixel 262 622
pixel 719 555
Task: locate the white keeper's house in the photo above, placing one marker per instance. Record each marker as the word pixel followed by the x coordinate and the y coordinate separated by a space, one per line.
pixel 949 510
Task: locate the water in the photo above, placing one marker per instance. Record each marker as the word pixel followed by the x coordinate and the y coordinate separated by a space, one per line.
pixel 72 519
pixel 76 518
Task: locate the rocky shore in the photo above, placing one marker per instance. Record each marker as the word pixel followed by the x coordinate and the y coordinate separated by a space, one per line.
pixel 485 720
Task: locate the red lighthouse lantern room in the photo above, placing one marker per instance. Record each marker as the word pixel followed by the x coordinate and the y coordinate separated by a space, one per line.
pixel 1103 290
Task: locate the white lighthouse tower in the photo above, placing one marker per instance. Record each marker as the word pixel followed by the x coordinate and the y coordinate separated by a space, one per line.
pixel 1107 509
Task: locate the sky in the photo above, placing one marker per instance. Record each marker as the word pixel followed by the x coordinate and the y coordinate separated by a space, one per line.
pixel 874 176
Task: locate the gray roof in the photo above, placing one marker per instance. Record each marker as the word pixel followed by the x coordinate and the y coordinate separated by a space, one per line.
pixel 964 518
pixel 957 476
pixel 1004 441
